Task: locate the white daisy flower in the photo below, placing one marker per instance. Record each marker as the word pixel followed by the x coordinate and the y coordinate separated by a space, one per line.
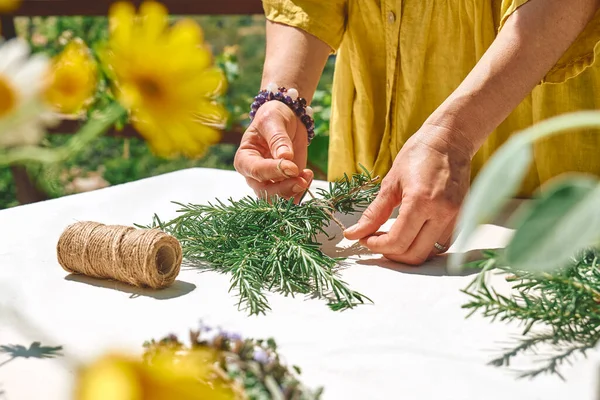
pixel 23 114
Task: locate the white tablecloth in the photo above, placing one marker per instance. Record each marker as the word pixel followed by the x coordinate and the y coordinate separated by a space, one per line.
pixel 413 343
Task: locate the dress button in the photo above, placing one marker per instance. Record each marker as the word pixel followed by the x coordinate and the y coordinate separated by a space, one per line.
pixel 391 17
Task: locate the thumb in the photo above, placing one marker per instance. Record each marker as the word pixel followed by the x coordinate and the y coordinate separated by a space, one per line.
pixel 274 127
pixel 377 214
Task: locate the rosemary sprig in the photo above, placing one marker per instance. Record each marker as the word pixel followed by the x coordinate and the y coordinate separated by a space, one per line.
pixel 273 245
pixel 564 307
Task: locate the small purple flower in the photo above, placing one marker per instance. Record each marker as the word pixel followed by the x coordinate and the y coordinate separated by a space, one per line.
pixel 232 336
pixel 261 356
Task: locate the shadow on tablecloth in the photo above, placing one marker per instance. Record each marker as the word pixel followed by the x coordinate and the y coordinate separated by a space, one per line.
pixel 360 255
pixel 177 289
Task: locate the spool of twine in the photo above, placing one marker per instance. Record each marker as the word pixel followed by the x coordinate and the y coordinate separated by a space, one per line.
pixel 139 257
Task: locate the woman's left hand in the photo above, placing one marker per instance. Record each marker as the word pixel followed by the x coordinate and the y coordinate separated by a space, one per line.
pixel 429 178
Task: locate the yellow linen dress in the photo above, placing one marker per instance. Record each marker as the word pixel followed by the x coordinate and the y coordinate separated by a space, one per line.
pixel 398 60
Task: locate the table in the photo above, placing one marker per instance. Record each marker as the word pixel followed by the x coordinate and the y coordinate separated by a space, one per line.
pixel 413 343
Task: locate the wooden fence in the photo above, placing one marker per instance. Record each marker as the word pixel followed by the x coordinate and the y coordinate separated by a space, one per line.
pixel 26 190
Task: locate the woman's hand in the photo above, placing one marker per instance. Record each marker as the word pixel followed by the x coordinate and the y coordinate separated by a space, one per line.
pixel 273 152
pixel 429 179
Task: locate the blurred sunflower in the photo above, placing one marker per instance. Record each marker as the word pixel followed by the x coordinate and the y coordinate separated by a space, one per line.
pixel 165 77
pixel 9 5
pixel 23 116
pixel 117 377
pixel 72 78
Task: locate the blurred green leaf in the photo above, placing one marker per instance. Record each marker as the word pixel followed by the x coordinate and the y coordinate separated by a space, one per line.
pixel 562 221
pixel 501 177
pixel 496 184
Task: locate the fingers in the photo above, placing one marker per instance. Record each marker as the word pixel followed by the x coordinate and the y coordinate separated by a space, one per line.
pixel 402 233
pixel 271 149
pixel 445 238
pixel 293 187
pixel 252 164
pixel 272 125
pixel 411 239
pixel 308 176
pixel 378 212
pixel 420 249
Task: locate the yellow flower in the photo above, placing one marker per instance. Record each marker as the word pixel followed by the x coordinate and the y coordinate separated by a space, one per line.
pixel 118 377
pixel 9 5
pixel 72 79
pixel 164 76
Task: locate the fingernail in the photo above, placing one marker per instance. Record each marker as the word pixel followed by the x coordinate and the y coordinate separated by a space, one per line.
pixel 352 229
pixel 288 172
pixel 281 150
pixel 298 189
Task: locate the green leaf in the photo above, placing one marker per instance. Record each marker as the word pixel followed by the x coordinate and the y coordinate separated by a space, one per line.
pixel 501 177
pixel 562 221
pixel 496 184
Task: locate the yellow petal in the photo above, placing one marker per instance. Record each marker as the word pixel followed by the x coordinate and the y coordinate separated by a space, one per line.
pixel 155 19
pixel 185 46
pixel 209 83
pixel 185 33
pixel 211 113
pixel 159 141
pixel 121 19
pixel 109 378
pixel 72 79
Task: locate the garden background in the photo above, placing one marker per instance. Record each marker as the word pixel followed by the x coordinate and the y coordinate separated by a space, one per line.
pixel 238 43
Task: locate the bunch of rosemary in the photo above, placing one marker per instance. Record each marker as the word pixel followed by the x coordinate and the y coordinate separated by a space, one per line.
pixel 273 245
pixel 560 311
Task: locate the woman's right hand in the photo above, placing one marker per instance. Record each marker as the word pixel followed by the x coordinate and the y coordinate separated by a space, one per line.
pixel 273 152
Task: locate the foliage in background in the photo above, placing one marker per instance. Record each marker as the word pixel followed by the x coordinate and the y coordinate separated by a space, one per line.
pixel 239 44
pixel 273 245
pixel 552 258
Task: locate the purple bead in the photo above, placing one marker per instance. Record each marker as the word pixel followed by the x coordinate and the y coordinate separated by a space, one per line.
pixel 282 89
pixel 306 120
pixel 288 100
pixel 302 100
pixel 261 99
pixel 255 106
pixel 300 111
pixel 279 96
pixel 252 114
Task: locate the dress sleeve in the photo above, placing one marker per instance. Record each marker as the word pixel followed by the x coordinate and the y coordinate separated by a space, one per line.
pixel 582 54
pixel 324 19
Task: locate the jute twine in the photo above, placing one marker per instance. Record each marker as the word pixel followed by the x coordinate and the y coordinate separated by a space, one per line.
pixel 139 257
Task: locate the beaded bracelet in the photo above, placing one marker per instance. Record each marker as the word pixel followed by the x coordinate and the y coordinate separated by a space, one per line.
pixel 289 97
